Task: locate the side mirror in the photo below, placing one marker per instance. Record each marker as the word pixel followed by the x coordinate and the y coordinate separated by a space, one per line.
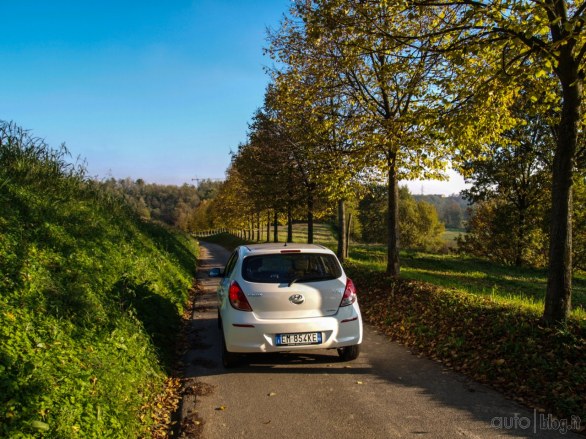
pixel 215 272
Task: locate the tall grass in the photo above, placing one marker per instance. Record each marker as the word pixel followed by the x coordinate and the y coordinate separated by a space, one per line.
pixel 90 300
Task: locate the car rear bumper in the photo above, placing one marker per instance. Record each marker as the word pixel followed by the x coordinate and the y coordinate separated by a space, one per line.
pixel 245 333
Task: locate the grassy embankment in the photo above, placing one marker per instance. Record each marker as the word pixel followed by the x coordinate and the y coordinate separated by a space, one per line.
pixel 90 303
pixel 475 317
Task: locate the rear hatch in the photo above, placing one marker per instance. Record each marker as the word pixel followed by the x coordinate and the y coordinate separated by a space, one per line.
pixel 293 285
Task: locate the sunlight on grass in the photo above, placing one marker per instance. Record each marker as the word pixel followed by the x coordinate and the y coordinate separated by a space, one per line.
pixel 514 286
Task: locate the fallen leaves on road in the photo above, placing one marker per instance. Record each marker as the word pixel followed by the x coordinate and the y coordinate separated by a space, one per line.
pixel 191 427
pixel 502 346
pixel 165 405
pixel 165 408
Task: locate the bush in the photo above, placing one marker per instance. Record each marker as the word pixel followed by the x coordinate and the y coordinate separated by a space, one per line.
pixel 420 228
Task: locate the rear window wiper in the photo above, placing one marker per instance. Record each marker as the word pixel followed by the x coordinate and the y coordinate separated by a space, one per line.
pixel 295 279
pixel 310 278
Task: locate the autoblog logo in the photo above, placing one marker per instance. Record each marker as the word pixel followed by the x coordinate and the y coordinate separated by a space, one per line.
pixel 539 422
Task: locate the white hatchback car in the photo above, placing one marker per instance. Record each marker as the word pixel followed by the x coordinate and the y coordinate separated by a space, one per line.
pixel 286 297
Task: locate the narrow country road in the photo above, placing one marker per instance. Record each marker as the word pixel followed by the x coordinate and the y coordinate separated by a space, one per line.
pixel 386 393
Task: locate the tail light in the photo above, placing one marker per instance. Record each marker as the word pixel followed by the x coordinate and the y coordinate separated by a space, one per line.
pixel 237 298
pixel 349 294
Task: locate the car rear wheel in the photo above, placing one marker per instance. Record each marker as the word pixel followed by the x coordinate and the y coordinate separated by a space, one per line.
pixel 229 359
pixel 349 353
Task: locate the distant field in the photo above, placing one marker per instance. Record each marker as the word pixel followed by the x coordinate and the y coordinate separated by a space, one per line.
pixel 322 234
pixel 520 286
pixel 450 235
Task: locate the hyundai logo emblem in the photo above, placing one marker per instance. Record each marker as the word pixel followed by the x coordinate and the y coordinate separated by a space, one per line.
pixel 297 299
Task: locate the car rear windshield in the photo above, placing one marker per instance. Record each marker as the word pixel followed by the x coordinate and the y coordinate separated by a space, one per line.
pixel 290 268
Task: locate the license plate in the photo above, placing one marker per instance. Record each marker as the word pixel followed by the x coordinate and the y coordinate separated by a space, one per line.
pixel 299 339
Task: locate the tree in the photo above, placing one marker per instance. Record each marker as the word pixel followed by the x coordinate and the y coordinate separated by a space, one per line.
pixel 231 208
pixel 267 168
pixel 421 228
pixel 170 204
pixel 452 214
pixel 207 188
pixel 513 172
pixel 508 41
pixel 372 214
pixel 492 233
pixel 389 81
pixel 310 119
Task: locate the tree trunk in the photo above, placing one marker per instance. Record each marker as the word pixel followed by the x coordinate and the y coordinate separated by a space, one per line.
pixel 268 226
pixel 289 224
pixel 559 281
pixel 341 253
pixel 258 227
pixel 310 218
pixel 520 239
pixel 393 267
pixel 348 229
pixel 276 227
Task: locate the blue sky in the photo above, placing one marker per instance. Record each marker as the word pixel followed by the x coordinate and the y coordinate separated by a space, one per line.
pixel 141 89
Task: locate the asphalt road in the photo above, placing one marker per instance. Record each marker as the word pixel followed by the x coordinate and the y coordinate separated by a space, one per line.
pixel 386 393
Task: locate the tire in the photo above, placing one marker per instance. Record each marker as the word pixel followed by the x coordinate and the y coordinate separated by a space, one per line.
pixel 229 359
pixel 349 353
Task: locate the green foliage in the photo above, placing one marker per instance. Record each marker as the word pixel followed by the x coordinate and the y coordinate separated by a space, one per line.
pixel 207 189
pixel 510 187
pixel 452 210
pixel 226 240
pixel 424 82
pixel 420 227
pixel 371 213
pixel 492 233
pixel 90 300
pixel 172 205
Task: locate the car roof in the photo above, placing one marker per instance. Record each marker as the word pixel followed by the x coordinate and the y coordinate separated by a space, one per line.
pixel 283 247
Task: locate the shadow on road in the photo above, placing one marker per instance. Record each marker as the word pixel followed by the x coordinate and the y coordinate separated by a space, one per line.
pixel 417 394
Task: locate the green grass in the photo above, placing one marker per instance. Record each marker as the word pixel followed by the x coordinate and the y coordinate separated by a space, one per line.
pixel 450 235
pixel 505 284
pixel 499 344
pixel 90 303
pixel 322 234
